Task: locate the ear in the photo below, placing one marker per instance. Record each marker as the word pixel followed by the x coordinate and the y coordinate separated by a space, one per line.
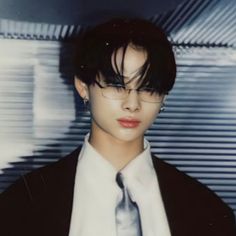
pixel 81 88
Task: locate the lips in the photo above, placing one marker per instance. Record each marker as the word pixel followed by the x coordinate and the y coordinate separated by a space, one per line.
pixel 129 122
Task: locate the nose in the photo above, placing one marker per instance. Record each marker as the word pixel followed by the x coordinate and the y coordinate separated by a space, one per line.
pixel 132 101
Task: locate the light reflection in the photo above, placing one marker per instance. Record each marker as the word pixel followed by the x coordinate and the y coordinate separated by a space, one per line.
pixel 33 98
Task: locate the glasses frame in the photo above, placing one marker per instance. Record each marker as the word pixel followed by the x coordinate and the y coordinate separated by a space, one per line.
pixel 128 90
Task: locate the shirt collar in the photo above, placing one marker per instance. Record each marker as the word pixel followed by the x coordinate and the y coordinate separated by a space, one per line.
pixel 92 160
pixel 139 170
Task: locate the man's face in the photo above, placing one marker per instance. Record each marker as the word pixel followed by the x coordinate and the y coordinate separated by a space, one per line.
pixel 126 119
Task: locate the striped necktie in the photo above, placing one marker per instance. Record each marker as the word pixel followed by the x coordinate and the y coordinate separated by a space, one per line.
pixel 128 221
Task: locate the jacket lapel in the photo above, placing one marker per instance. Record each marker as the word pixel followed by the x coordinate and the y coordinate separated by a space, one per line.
pixel 58 193
pixel 173 196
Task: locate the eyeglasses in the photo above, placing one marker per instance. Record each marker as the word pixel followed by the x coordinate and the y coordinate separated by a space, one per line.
pixel 119 92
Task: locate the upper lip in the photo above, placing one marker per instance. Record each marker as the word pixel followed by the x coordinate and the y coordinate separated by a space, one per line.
pixel 128 119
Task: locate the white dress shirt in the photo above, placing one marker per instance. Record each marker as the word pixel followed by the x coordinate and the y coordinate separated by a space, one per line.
pixel 96 194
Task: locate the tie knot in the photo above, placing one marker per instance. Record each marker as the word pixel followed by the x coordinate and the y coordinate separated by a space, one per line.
pixel 119 180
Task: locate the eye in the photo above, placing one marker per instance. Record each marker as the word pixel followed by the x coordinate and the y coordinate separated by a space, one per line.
pixel 116 86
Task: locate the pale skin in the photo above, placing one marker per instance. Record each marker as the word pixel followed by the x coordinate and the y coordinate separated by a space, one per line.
pixel 119 145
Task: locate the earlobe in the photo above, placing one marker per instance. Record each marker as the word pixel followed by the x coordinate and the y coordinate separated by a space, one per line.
pixel 163 104
pixel 81 88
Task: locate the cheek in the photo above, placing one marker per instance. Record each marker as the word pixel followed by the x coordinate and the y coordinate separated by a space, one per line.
pixel 103 108
pixel 150 115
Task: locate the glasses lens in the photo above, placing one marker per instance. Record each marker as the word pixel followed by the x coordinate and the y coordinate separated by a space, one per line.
pixel 148 95
pixel 120 92
pixel 114 92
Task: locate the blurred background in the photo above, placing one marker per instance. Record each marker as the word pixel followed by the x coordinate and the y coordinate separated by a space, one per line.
pixel 42 118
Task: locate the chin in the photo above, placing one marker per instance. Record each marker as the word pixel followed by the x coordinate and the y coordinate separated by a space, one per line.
pixel 128 135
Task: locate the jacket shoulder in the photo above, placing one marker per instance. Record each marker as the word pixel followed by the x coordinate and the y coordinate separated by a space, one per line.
pixel 187 199
pixel 32 193
pixel 28 185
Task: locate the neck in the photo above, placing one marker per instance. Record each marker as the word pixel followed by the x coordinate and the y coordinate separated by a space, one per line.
pixel 118 152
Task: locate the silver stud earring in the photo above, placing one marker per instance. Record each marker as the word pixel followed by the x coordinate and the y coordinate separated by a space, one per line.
pixel 162 107
pixel 86 104
pixel 85 100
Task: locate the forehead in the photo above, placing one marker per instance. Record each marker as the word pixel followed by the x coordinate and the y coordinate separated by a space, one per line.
pixel 129 61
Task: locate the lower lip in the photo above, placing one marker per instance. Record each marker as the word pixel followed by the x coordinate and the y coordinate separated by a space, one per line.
pixel 129 124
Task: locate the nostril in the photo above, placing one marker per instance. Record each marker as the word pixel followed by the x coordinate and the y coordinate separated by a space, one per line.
pixel 132 102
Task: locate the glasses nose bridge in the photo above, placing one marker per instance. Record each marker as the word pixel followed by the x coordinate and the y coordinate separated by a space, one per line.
pixel 129 94
pixel 129 90
pixel 132 101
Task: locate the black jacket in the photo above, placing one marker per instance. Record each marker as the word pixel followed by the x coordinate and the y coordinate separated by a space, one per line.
pixel 40 203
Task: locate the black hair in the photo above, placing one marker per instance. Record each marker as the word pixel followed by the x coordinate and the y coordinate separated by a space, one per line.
pixel 95 47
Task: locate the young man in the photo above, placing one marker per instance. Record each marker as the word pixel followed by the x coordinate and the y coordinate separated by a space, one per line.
pixel 113 185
